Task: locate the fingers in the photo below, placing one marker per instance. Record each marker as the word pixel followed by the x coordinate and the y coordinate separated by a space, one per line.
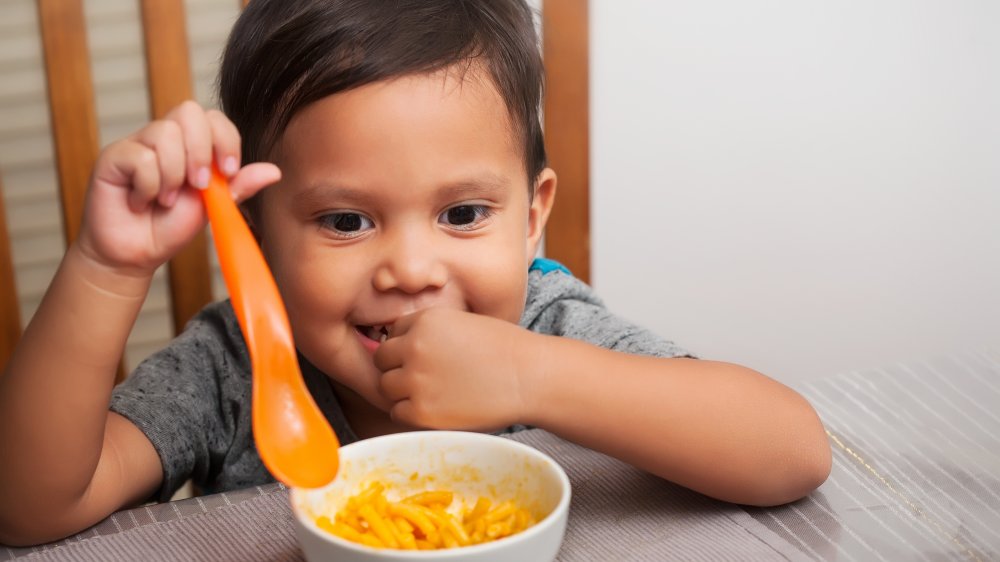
pixel 226 142
pixel 389 354
pixel 166 141
pixel 132 163
pixel 208 135
pixel 394 385
pixel 403 324
pixel 402 411
pixel 197 135
pixel 404 408
pixel 183 145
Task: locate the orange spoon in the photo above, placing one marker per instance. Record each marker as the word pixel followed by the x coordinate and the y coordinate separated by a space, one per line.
pixel 293 438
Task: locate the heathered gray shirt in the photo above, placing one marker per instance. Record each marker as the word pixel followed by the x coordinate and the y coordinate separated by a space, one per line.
pixel 192 399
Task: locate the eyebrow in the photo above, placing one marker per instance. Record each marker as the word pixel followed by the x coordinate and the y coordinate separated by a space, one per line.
pixel 486 185
pixel 322 191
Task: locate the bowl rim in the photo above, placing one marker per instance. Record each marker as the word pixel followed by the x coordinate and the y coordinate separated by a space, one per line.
pixel 550 520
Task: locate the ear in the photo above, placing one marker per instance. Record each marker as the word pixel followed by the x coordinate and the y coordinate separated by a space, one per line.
pixel 541 206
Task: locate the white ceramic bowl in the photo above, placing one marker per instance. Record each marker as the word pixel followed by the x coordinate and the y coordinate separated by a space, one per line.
pixel 469 464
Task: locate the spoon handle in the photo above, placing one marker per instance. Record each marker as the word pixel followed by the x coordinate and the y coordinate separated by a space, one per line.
pixel 247 276
pixel 293 438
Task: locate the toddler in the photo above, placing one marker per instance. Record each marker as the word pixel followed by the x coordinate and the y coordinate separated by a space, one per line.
pixel 390 161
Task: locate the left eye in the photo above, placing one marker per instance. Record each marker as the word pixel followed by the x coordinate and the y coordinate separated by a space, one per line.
pixel 465 216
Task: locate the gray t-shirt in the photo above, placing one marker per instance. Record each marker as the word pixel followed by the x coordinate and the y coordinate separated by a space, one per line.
pixel 192 399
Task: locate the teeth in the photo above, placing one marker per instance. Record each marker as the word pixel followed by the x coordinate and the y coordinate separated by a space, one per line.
pixel 377 333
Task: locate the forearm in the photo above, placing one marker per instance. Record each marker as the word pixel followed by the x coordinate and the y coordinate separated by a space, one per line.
pixel 55 391
pixel 723 430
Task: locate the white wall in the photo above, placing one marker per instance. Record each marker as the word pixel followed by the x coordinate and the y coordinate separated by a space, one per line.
pixel 800 187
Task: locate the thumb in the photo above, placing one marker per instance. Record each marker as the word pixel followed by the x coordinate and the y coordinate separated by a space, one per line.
pixel 253 178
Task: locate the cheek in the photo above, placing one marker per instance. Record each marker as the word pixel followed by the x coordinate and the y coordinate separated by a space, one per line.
pixel 495 279
pixel 312 288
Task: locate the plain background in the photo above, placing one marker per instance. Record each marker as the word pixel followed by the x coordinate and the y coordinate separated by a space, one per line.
pixel 801 187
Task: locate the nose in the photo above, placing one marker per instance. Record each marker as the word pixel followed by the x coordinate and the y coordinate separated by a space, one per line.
pixel 410 263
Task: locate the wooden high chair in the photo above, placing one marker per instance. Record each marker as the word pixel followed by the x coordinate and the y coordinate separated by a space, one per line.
pixel 75 138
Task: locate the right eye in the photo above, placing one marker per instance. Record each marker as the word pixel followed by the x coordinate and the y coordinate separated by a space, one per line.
pixel 346 224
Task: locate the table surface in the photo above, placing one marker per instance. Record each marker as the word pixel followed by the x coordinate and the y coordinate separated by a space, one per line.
pixel 916 476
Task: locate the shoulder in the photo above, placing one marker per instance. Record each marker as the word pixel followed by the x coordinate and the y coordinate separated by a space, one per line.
pixel 209 350
pixel 559 304
pixel 545 265
pixel 192 400
pixel 551 283
pixel 207 355
pixel 215 323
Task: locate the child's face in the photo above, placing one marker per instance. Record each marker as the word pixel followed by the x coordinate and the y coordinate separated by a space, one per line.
pixel 396 197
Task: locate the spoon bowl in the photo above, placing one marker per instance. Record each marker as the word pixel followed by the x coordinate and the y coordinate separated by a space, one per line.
pixel 293 438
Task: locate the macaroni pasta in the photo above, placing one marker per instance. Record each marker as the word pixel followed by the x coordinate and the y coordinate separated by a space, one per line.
pixel 421 521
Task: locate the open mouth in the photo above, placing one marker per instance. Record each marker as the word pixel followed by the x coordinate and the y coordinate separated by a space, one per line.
pixel 378 333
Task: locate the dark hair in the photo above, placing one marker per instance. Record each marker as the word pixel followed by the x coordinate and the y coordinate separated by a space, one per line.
pixel 285 54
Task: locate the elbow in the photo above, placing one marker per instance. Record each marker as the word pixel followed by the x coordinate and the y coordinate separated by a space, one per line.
pixel 814 457
pixel 772 482
pixel 818 469
pixel 808 458
pixel 801 477
pixel 803 468
pixel 12 532
pixel 797 460
pixel 22 533
pixel 15 532
pixel 780 476
pixel 22 526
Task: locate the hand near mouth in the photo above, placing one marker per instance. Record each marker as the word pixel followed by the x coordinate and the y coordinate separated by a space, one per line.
pixel 449 369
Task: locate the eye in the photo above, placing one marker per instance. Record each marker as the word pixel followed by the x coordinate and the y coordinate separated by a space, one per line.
pixel 465 217
pixel 346 224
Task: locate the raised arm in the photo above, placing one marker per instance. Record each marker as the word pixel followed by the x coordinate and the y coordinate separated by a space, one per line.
pixel 68 461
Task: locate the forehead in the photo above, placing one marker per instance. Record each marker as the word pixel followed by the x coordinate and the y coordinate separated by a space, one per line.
pixel 447 122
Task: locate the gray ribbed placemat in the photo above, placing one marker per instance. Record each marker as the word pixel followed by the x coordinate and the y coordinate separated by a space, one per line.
pixel 621 513
pixel 916 476
pixel 916 472
pixel 617 512
pixel 255 529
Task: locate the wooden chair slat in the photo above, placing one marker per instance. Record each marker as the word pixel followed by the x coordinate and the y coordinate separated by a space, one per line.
pixel 71 109
pixel 190 276
pixel 10 320
pixel 168 68
pixel 567 131
pixel 168 63
pixel 71 103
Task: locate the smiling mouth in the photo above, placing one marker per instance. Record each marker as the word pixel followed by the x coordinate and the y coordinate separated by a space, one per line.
pixel 378 333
